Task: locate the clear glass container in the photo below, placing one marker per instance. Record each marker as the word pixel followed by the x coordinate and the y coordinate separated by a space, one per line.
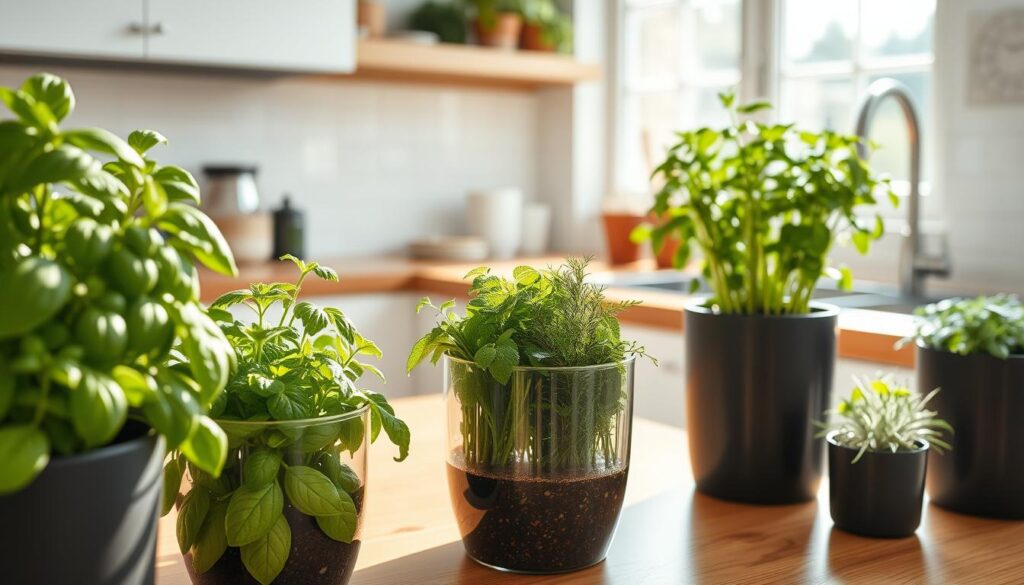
pixel 324 544
pixel 537 466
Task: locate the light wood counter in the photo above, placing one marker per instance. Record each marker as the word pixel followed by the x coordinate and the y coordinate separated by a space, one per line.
pixel 865 335
pixel 668 534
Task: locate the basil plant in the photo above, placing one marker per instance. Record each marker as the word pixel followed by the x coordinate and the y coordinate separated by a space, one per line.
pixel 100 319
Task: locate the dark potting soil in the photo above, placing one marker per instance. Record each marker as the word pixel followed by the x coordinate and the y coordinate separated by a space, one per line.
pixel 314 559
pixel 536 525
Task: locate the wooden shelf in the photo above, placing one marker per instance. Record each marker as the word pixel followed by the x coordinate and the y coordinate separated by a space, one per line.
pixel 467 65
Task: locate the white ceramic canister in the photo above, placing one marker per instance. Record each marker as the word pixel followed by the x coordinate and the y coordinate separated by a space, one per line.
pixel 496 215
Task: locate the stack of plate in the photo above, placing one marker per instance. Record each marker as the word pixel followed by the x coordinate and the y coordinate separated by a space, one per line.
pixel 461 248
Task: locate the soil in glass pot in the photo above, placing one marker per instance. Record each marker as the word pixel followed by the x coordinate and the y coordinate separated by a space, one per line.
pixel 323 550
pixel 537 467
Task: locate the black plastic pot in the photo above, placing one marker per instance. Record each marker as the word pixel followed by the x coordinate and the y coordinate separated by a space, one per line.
pixel 983 398
pixel 755 384
pixel 881 494
pixel 88 519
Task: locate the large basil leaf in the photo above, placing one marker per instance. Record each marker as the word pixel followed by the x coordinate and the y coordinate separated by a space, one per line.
pixel 54 92
pixel 207 446
pixel 33 290
pixel 24 452
pixel 252 512
pixel 341 475
pixel 200 236
pixel 173 472
pixel 98 408
pixel 311 491
pixel 193 511
pixel 396 429
pixel 341 527
pixel 265 557
pixel 98 139
pixel 261 467
pixel 212 540
pixel 208 351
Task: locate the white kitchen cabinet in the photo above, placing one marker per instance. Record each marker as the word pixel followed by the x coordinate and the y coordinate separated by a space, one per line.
pixel 297 35
pixel 305 35
pixel 101 29
pixel 659 392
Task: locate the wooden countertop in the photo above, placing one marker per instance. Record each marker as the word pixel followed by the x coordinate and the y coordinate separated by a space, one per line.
pixel 668 533
pixel 866 335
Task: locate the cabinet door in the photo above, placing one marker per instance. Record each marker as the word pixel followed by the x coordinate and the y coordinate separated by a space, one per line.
pixel 302 35
pixel 659 392
pixel 86 29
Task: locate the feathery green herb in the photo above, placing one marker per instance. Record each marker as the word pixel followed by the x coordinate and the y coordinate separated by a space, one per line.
pixel 764 204
pixel 304 364
pixel 883 416
pixel 992 325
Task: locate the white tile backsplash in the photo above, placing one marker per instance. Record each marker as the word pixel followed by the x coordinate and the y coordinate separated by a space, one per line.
pixel 373 164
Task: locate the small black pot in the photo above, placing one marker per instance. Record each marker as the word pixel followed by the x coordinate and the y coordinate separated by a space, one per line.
pixel 879 495
pixel 88 519
pixel 983 398
pixel 755 384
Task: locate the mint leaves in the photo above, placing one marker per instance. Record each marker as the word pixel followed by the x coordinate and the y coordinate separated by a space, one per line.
pixel 992 325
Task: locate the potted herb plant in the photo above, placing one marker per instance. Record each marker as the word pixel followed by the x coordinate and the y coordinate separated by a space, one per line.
pixel 877 458
pixel 98 286
pixel 497 23
pixel 545 28
pixel 445 19
pixel 538 391
pixel 763 203
pixel 288 507
pixel 974 350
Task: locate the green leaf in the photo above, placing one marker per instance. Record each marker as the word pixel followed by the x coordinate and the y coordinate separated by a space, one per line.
pixel 231 298
pixel 178 184
pixel 137 387
pixel 289 406
pixel 264 386
pixel 143 140
pixel 325 273
pixel 24 452
pixel 207 349
pixel 265 557
pixel 484 357
pixel 98 139
pixel 753 107
pixel 38 287
pixel 252 512
pixel 525 275
pixel 341 475
pixel 193 511
pixel 396 429
pixel 65 163
pixel 341 527
pixel 98 408
pixel 207 446
pixel 173 472
pixel 261 467
pixel 212 540
pixel 200 236
pixel 154 198
pixel 6 388
pixel 313 318
pixel 52 91
pixel 861 241
pixel 311 491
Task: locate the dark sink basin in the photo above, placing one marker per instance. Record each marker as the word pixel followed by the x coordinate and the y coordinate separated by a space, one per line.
pixel 870 296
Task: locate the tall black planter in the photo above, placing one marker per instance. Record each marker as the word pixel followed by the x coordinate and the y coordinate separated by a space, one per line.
pixel 881 494
pixel 983 398
pixel 88 519
pixel 754 386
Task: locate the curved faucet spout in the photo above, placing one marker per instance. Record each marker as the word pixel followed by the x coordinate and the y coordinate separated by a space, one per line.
pixel 913 267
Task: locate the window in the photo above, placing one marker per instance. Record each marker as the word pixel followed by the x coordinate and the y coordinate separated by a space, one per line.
pixel 677 54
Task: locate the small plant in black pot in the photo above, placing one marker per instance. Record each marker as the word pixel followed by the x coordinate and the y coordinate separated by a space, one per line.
pixel 974 350
pixel 107 358
pixel 538 391
pixel 764 204
pixel 878 445
pixel 288 506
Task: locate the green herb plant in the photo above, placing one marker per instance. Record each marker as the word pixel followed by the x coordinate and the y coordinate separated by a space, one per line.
pixel 446 19
pixel 558 324
pixel 487 11
pixel 992 325
pixel 97 285
pixel 282 411
pixel 881 416
pixel 763 203
pixel 556 28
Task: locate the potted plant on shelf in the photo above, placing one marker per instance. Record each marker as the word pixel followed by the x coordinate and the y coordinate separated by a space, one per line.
pixel 538 393
pixel 98 285
pixel 545 28
pixel 974 350
pixel 877 458
pixel 764 204
pixel 288 506
pixel 445 19
pixel 497 23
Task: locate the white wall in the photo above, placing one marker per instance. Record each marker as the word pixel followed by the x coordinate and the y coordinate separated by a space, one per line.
pixel 373 164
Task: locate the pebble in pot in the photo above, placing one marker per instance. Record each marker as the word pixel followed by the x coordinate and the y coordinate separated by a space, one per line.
pixel 878 446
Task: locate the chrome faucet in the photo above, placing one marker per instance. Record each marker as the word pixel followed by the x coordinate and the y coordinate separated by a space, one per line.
pixel 914 264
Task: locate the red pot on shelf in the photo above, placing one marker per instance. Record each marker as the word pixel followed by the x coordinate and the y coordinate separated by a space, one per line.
pixel 617 229
pixel 503 34
pixel 533 39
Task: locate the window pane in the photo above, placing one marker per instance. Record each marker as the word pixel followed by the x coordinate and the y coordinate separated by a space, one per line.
pixel 650 120
pixel 816 31
pixel 898 28
pixel 701 107
pixel 651 45
pixel 890 131
pixel 818 104
pixel 715 27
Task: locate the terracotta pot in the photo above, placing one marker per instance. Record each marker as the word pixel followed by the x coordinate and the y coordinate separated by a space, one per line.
pixel 617 228
pixel 373 17
pixel 503 35
pixel 533 39
pixel 667 253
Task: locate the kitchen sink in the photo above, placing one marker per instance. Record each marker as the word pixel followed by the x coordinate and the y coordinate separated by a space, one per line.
pixel 870 296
